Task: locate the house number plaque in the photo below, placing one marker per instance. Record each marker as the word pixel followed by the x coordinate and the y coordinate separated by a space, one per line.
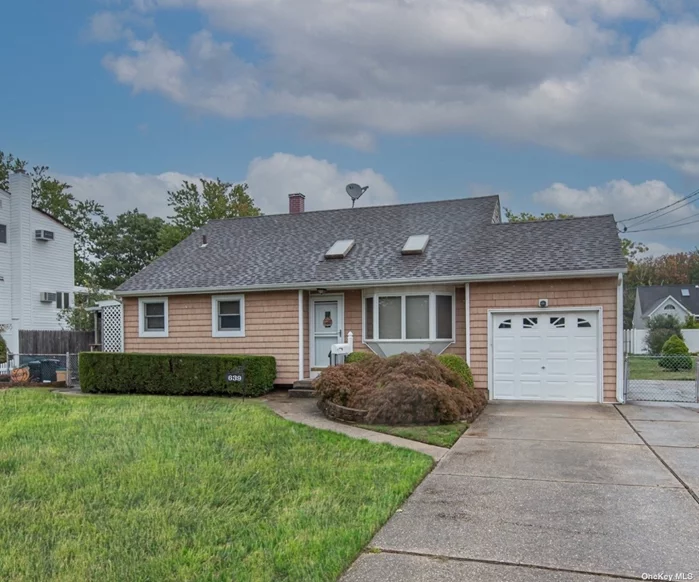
pixel 237 376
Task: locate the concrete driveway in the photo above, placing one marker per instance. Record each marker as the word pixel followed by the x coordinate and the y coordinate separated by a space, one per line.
pixel 551 492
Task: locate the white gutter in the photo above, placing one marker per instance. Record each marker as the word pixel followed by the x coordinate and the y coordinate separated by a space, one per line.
pixel 311 286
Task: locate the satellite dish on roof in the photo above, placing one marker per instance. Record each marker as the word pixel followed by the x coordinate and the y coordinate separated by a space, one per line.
pixel 355 192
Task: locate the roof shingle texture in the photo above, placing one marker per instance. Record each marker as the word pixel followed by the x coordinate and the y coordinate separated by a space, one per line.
pixel 653 295
pixel 289 249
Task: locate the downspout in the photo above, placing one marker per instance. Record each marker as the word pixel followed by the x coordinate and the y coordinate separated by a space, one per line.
pixel 468 324
pixel 620 339
pixel 301 350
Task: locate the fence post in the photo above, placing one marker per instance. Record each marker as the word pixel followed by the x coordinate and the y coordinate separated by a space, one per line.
pixel 69 372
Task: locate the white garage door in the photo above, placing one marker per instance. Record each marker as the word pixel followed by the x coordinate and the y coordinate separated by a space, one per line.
pixel 546 356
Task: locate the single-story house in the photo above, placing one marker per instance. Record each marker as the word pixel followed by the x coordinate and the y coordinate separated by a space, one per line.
pixel 681 301
pixel 535 308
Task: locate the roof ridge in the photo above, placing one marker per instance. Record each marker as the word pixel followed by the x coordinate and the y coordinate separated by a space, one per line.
pixel 566 219
pixel 365 208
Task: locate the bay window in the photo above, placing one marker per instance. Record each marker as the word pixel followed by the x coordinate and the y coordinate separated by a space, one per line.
pixel 406 317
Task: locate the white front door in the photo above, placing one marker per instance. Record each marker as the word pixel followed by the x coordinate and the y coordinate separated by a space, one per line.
pixel 327 324
pixel 546 356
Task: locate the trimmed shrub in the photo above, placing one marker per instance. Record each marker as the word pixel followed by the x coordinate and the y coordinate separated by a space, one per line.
pixel 675 355
pixel 402 389
pixel 660 329
pixel 175 374
pixel 457 364
pixel 3 351
pixel 358 357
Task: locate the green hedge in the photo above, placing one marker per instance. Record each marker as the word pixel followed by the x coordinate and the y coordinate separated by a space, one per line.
pixel 457 364
pixel 175 374
pixel 358 357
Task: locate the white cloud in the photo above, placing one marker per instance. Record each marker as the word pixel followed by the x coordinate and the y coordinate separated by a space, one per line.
pixel 106 27
pixel 271 180
pixel 626 200
pixel 554 72
pixel 122 191
pixel 154 68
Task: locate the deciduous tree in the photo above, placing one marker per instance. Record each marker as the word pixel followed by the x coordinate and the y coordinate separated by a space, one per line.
pixel 124 246
pixel 194 205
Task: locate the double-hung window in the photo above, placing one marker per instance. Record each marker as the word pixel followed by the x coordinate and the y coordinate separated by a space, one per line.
pixel 228 316
pixel 153 317
pixel 62 300
pixel 409 317
pixel 3 233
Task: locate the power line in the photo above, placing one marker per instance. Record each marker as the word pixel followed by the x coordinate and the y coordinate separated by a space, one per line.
pixel 665 226
pixel 648 216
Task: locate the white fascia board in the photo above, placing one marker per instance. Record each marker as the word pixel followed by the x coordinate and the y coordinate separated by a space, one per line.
pixel 595 273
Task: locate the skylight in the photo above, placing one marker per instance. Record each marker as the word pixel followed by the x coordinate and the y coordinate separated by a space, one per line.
pixel 415 245
pixel 685 292
pixel 340 249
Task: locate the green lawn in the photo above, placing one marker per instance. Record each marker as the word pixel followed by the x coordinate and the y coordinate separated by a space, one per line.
pixel 442 435
pixel 158 488
pixel 647 368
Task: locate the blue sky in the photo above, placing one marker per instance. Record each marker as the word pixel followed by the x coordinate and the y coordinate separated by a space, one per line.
pixel 577 106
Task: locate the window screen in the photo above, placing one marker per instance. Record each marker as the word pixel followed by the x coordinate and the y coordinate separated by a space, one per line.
pixel 369 318
pixel 390 317
pixel 444 317
pixel 229 315
pixel 417 317
pixel 154 316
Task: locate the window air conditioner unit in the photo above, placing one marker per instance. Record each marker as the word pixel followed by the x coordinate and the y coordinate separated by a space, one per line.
pixel 44 235
pixel 46 297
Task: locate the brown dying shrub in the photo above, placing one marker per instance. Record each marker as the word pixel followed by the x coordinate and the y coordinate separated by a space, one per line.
pixel 402 389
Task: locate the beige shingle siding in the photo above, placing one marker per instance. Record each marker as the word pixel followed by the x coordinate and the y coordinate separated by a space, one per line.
pixel 271 329
pixel 564 293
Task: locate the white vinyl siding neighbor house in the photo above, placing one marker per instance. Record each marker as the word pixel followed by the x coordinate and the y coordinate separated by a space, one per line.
pixel 32 265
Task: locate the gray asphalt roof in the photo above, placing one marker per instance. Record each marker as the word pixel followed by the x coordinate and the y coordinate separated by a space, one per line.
pixel 653 295
pixel 289 249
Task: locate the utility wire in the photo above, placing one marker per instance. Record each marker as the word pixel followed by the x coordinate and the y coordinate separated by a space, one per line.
pixel 651 218
pixel 670 225
pixel 648 216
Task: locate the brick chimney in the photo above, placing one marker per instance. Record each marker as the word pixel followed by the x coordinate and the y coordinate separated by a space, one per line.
pixel 296 203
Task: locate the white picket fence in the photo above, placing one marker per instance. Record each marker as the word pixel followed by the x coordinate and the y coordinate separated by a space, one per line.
pixel 634 340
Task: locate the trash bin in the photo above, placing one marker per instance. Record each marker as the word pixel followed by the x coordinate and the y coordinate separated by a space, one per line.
pixel 34 370
pixel 48 370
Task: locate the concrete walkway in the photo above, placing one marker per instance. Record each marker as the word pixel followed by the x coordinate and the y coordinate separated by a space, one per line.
pixel 539 491
pixel 305 411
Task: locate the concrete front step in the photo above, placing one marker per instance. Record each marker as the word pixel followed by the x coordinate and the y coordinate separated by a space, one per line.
pixel 302 393
pixel 302 389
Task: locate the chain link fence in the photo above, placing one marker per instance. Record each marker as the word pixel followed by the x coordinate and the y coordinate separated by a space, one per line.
pixel 670 378
pixel 41 369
